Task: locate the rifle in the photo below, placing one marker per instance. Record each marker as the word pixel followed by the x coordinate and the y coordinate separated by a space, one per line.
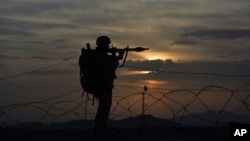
pixel 115 50
pixel 137 49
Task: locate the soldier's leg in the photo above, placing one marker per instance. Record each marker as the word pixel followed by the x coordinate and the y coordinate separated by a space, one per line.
pixel 105 101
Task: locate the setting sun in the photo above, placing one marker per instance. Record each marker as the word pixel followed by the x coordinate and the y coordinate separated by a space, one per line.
pixel 157 55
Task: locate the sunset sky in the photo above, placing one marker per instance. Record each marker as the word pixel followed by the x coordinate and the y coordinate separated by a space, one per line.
pixel 179 30
pixel 194 36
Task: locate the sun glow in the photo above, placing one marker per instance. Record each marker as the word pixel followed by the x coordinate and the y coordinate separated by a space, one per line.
pixel 154 83
pixel 157 55
pixel 144 72
pixel 131 72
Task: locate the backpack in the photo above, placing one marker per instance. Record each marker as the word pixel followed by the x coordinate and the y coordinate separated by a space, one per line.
pixel 88 71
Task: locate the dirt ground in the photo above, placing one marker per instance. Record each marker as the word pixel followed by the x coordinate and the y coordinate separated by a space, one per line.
pixel 129 134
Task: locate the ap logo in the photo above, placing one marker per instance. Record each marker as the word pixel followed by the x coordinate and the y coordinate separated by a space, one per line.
pixel 239 132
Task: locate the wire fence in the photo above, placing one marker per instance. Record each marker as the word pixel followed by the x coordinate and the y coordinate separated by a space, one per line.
pixel 213 105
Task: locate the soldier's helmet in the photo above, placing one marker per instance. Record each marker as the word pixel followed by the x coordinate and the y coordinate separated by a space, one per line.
pixel 103 40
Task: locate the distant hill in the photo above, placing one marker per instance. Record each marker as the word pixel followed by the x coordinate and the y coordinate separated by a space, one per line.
pixel 204 118
pixel 212 117
pixel 131 122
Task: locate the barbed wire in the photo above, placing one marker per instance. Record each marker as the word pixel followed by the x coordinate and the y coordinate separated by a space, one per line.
pixel 128 106
pixel 124 106
pixel 39 69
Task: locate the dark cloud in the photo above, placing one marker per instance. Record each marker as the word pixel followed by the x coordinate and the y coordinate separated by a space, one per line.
pixel 61 47
pixel 139 24
pixel 219 34
pixel 157 64
pixel 39 57
pixel 31 57
pixel 14 24
pixel 15 32
pixel 24 28
pixel 29 7
pixel 222 56
pixel 220 67
pixel 60 43
pixel 34 42
pixel 3 57
pixel 184 42
pixel 9 57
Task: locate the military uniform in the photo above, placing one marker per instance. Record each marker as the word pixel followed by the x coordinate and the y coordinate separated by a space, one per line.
pixel 106 65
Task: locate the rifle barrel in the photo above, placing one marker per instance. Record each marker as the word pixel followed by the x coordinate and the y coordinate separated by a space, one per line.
pixel 137 49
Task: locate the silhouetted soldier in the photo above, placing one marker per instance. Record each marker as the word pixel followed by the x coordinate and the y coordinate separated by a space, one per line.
pixel 106 65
